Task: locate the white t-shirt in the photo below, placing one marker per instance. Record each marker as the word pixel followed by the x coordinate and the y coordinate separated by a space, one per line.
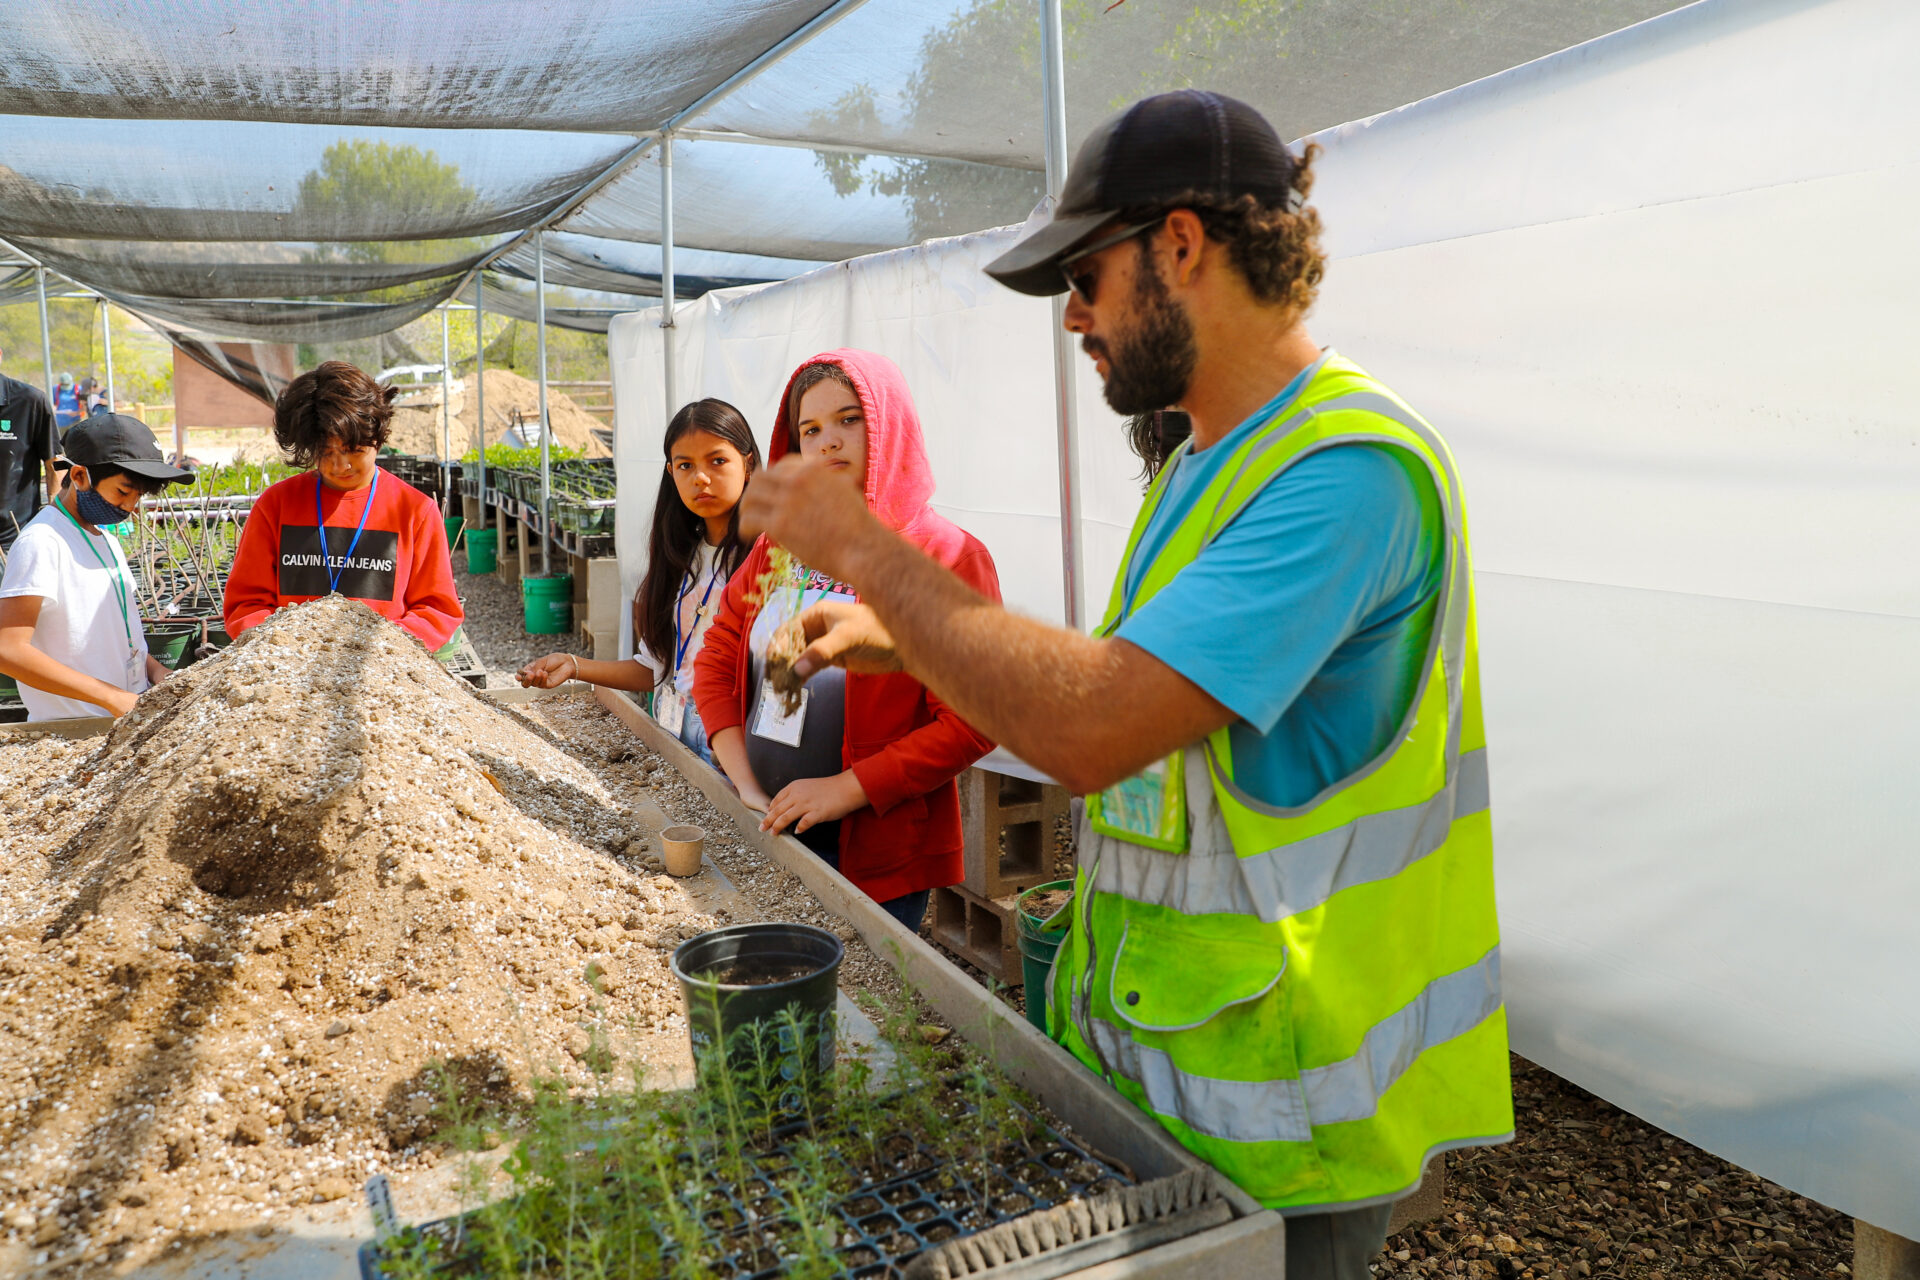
pixel 700 593
pixel 80 623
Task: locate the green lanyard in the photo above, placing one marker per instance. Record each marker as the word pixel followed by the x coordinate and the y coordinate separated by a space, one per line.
pixel 121 587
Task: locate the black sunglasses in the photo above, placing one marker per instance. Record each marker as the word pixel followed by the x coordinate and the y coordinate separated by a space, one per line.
pixel 1083 285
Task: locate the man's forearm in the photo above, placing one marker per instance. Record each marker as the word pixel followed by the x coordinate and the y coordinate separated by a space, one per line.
pixel 1053 697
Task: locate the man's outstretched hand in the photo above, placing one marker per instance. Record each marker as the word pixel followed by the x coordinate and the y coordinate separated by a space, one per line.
pixel 841 634
pixel 812 511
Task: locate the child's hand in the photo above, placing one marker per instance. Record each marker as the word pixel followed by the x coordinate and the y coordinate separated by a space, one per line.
pixel 549 672
pixel 812 801
pixel 756 799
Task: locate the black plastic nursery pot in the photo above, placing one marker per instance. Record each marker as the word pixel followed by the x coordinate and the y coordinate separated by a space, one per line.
pixel 763 991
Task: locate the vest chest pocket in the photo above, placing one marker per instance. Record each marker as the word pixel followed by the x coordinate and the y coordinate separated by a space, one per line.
pixel 1181 974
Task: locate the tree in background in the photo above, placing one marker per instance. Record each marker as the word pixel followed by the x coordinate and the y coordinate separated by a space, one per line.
pixel 142 361
pixel 362 184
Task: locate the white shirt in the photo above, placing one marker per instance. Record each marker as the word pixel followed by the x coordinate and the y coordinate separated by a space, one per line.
pixel 80 625
pixel 703 582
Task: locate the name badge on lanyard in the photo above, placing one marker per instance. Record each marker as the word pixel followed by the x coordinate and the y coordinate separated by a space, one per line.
pixel 775 725
pixel 669 708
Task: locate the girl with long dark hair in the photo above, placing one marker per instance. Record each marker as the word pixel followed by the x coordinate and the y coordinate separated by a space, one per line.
pixel 694 548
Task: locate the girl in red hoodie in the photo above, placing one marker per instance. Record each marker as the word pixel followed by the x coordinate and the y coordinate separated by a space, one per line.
pixel 344 526
pixel 864 770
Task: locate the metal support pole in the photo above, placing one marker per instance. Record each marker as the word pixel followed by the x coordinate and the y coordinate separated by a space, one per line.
pixel 446 411
pixel 1054 84
pixel 666 271
pixel 106 327
pixel 46 331
pixel 480 384
pixel 546 433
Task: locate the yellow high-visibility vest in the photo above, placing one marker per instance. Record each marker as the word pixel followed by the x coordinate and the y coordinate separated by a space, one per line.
pixel 1307 998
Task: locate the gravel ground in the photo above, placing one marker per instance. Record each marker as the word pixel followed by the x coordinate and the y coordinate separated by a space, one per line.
pixel 1584 1189
pixel 497 627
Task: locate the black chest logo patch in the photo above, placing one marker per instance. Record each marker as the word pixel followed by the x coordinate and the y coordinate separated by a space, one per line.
pixel 369 574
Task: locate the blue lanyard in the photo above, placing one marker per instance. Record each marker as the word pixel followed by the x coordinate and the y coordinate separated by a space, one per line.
pixel 326 561
pixel 680 646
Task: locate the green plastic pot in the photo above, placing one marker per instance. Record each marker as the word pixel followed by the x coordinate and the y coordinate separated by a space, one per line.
pixel 171 642
pixel 1040 940
pixel 547 604
pixel 483 547
pixel 453 524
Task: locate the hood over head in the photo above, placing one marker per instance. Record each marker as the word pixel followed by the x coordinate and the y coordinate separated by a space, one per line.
pixel 899 478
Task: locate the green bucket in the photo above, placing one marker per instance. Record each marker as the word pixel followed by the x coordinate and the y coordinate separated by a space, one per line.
pixel 1040 938
pixel 548 604
pixel 482 548
pixel 453 524
pixel 170 641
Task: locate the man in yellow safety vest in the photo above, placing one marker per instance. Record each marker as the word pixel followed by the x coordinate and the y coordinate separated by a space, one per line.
pixel 1283 943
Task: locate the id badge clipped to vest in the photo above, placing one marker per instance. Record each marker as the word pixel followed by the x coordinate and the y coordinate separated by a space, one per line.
pixel 1150 808
pixel 669 708
pixel 775 725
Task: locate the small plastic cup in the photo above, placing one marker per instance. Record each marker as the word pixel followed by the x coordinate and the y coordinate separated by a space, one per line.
pixel 680 850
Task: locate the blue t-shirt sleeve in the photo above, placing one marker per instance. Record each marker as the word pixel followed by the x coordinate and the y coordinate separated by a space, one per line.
pixel 1334 543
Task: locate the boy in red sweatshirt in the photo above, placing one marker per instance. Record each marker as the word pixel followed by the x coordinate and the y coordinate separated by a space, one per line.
pixel 864 771
pixel 383 544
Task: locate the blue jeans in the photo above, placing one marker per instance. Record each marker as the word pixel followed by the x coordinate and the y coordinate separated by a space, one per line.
pixel 909 909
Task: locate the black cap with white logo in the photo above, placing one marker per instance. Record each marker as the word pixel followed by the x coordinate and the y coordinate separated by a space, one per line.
pixel 114 439
pixel 1150 156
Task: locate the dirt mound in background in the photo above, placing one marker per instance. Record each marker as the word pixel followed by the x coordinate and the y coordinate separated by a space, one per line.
pixel 416 428
pixel 236 933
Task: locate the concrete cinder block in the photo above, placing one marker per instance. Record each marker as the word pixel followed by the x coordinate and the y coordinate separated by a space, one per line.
pixel 1007 828
pixel 1428 1201
pixel 979 930
pixel 1879 1254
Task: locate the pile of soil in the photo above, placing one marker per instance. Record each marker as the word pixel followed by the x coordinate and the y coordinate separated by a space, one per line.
pixel 416 427
pixel 237 933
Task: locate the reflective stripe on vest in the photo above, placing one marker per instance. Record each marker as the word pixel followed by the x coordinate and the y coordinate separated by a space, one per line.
pixel 1338 1093
pixel 1307 997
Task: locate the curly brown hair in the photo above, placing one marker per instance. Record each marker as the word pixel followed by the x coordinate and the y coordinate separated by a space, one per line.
pixel 334 402
pixel 1277 249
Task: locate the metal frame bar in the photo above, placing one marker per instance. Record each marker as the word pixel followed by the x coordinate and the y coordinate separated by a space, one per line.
pixel 480 387
pixel 546 431
pixel 106 331
pixel 46 332
pixel 1067 415
pixel 666 271
pixel 446 411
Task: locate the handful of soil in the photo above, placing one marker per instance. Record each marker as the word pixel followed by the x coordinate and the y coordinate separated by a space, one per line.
pixel 788 643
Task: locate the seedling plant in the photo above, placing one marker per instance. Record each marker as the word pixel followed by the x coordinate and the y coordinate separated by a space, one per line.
pixel 905 1143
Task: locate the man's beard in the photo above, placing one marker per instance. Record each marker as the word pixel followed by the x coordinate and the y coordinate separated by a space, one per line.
pixel 1150 363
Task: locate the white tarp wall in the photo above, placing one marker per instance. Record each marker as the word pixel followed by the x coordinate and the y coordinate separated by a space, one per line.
pixel 1659 293
pixel 979 359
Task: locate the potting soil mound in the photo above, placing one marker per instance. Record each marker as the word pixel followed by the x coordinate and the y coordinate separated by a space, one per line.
pixel 417 428
pixel 236 932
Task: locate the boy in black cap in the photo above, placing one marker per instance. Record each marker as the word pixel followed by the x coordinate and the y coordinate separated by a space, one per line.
pixel 70 630
pixel 1282 943
pixel 26 446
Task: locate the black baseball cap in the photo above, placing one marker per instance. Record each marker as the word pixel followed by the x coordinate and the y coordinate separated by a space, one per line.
pixel 114 439
pixel 1149 156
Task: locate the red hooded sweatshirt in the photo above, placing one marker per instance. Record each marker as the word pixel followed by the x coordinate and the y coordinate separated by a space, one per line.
pixel 904 744
pixel 400 567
